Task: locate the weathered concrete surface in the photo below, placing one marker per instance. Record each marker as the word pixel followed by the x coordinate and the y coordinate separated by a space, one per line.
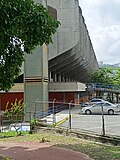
pixel 71 54
pixel 36 80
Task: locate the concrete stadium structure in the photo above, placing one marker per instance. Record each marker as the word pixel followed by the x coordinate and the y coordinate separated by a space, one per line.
pixel 65 63
pixel 62 68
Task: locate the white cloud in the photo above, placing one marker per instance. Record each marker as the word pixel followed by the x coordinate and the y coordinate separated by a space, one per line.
pixel 103 23
pixel 115 49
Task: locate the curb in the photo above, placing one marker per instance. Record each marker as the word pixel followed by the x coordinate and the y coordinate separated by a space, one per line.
pixel 61 121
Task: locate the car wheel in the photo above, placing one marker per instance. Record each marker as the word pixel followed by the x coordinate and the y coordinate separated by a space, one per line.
pixel 88 112
pixel 111 112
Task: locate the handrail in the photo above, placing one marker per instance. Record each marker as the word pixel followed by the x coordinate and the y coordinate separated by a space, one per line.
pixel 102 87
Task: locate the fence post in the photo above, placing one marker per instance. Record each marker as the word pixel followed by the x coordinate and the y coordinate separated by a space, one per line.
pixel 70 114
pixel 54 120
pixel 103 121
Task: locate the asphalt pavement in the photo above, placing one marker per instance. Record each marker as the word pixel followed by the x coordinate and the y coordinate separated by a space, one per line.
pixel 90 123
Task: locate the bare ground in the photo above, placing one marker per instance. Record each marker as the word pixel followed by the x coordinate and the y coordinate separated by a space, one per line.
pixel 38 151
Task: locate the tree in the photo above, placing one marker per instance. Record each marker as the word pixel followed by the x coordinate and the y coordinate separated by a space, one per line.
pixel 105 76
pixel 23 26
pixel 101 76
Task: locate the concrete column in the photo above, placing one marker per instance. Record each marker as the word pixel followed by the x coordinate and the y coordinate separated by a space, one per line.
pixel 66 79
pixel 50 77
pixel 36 80
pixel 63 78
pixel 78 97
pixel 55 77
pixel 69 79
pixel 59 78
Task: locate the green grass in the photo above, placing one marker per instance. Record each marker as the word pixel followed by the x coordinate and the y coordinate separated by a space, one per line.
pixel 96 151
pixel 3 158
pixel 11 134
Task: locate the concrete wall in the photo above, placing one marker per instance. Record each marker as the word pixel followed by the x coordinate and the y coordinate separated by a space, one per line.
pixel 71 43
pixel 67 87
pixel 67 35
pixel 36 79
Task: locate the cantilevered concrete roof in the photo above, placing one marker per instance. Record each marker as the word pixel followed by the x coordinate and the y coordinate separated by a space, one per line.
pixel 72 54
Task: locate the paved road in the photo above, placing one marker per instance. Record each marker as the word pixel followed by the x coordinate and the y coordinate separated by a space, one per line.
pixel 94 123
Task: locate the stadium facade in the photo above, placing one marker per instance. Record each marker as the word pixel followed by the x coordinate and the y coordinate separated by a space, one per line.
pixel 58 71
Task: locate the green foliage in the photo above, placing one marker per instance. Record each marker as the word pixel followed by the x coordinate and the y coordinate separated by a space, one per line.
pixel 32 124
pixel 23 26
pixel 16 110
pixel 101 76
pixel 15 113
pixel 105 76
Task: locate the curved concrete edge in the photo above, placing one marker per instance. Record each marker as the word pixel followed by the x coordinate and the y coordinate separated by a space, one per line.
pixel 96 137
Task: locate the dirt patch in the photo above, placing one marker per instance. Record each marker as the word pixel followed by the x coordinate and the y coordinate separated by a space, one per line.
pixel 38 151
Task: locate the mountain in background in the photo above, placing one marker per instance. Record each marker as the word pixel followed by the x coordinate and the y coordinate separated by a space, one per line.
pixel 102 65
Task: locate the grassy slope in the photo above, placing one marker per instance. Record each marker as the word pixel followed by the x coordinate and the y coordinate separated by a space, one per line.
pixel 96 151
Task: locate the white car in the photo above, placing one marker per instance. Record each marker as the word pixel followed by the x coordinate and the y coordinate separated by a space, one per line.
pixel 108 108
pixel 92 101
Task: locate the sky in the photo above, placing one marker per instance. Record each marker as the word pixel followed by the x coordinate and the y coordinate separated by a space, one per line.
pixel 102 18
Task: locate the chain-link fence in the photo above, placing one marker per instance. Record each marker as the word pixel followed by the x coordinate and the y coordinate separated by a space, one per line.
pixel 67 115
pixel 13 123
pixel 102 123
pixel 43 111
pixel 47 111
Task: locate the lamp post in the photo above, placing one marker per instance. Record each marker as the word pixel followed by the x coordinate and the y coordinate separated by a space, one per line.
pixel 70 114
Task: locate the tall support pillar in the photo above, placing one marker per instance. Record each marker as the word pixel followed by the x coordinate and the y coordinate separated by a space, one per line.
pixel 36 80
pixel 66 79
pixel 78 96
pixel 59 78
pixel 50 77
pixel 55 77
pixel 63 79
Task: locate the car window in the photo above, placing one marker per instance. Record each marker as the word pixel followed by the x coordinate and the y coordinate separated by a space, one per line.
pixel 97 105
pixel 95 100
pixel 107 104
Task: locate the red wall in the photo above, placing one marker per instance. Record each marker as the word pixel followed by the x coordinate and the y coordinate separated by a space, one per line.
pixel 60 96
pixel 69 97
pixel 56 95
pixel 10 97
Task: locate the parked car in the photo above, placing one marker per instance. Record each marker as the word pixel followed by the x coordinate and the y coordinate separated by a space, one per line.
pixel 92 101
pixel 108 108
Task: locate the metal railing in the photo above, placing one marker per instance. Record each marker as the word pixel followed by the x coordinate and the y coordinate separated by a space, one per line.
pixel 58 111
